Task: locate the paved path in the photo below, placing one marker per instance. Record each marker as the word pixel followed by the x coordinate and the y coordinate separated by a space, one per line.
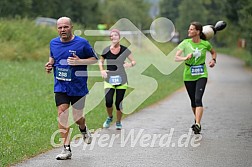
pixel 166 139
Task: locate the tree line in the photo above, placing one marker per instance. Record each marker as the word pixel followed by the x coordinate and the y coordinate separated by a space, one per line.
pixel 89 13
pixel 237 15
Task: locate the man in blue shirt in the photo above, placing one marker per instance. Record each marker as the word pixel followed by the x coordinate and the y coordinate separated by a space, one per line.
pixel 70 54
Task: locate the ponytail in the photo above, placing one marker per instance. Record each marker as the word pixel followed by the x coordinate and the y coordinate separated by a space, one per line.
pixel 202 36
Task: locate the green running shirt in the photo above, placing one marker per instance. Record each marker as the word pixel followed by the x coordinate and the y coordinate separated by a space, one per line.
pixel 198 59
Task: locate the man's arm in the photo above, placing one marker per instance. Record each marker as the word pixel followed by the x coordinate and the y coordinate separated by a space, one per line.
pixel 49 65
pixel 75 60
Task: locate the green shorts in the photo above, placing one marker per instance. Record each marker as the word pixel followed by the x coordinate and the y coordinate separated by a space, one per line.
pixel 108 85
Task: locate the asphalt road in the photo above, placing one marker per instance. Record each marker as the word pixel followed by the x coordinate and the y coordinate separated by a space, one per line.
pixel 160 135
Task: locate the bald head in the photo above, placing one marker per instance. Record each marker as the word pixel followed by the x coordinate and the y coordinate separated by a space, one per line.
pixel 65 20
pixel 64 27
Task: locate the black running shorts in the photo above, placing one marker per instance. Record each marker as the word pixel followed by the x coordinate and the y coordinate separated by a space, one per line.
pixel 77 102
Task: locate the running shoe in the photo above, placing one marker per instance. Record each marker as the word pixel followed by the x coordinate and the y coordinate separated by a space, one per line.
pixel 118 125
pixel 65 154
pixel 87 137
pixel 197 128
pixel 107 123
pixel 193 125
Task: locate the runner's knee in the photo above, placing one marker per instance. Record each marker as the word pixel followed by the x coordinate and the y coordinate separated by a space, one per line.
pixel 198 102
pixel 109 103
pixel 118 105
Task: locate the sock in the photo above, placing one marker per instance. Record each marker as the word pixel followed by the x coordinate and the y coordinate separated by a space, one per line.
pixel 198 124
pixel 67 147
pixel 83 130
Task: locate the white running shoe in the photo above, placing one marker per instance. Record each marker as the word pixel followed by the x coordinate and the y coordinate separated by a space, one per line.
pixel 65 154
pixel 87 137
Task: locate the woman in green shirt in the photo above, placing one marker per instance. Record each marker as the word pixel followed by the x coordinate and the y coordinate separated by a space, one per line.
pixel 193 52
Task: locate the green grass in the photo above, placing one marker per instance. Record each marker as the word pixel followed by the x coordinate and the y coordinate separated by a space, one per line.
pixel 23 40
pixel 240 53
pixel 28 113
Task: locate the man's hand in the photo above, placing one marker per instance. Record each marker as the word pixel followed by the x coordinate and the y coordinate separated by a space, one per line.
pixel 73 61
pixel 48 67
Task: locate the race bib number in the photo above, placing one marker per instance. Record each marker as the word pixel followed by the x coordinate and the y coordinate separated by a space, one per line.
pixel 63 74
pixel 197 70
pixel 115 80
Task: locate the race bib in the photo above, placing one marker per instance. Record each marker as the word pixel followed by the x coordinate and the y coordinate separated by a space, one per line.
pixel 197 70
pixel 63 74
pixel 115 80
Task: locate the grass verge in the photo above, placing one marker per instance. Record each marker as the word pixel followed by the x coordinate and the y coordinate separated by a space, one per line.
pixel 28 113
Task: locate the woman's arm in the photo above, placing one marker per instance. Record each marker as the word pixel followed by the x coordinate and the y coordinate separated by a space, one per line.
pixel 214 56
pixel 132 62
pixel 103 72
pixel 179 58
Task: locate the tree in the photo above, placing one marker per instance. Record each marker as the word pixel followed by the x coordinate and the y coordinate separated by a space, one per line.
pixel 215 11
pixel 136 11
pixel 84 12
pixel 245 22
pixel 89 13
pixel 169 9
pixel 196 12
pixel 13 8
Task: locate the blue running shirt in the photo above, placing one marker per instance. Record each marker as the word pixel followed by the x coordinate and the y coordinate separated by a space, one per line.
pixel 60 51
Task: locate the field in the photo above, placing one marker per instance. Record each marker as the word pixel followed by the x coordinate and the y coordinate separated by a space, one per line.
pixel 28 113
pixel 28 116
